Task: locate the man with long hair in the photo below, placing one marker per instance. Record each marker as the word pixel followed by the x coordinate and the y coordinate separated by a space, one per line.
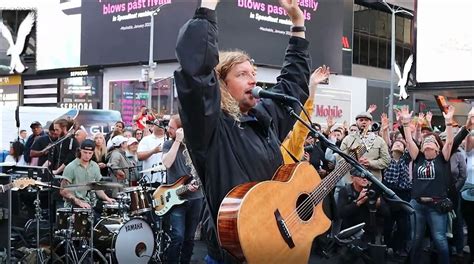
pixel 231 138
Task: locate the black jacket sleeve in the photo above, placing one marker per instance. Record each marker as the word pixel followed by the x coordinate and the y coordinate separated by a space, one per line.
pixel 293 80
pixel 196 81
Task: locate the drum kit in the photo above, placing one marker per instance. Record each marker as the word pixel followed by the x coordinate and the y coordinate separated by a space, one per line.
pixel 126 231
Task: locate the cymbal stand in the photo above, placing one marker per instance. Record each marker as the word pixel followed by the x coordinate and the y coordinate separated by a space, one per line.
pixel 91 248
pixel 39 252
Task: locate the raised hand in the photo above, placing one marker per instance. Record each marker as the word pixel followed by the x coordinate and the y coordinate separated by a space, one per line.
pixel 470 119
pixel 372 108
pixel 330 121
pixel 294 11
pixel 385 121
pixel 421 119
pixel 345 125
pixel 317 77
pixel 428 117
pixel 406 114
pixel 448 117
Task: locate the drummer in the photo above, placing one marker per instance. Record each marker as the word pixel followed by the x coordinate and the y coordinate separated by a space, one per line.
pixel 81 171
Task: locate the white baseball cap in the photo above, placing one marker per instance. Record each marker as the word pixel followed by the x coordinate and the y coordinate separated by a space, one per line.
pixel 131 141
pixel 118 140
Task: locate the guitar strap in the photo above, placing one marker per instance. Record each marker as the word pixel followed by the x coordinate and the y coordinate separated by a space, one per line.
pixel 289 153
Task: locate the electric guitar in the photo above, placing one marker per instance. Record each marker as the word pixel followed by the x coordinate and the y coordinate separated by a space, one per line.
pixel 18 183
pixel 276 221
pixel 168 195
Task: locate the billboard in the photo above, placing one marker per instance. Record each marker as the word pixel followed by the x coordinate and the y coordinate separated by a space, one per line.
pixel 116 32
pixel 444 38
pixel 261 28
pixel 71 33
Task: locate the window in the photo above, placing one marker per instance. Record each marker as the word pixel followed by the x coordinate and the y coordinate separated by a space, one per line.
pixel 384 56
pixel 372 37
pixel 364 50
pixel 373 52
pixel 127 97
pixel 81 92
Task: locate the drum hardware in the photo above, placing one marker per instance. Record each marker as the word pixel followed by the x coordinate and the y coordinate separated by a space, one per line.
pixel 159 168
pixel 70 249
pixel 39 251
pixel 91 247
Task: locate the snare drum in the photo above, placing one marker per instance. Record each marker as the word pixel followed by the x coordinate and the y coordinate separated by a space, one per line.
pixel 79 218
pixel 138 200
pixel 129 242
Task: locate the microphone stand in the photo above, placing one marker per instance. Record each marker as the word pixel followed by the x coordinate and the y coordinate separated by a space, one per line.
pixel 59 141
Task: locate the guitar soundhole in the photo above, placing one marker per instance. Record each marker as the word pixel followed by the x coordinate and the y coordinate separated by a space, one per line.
pixel 304 207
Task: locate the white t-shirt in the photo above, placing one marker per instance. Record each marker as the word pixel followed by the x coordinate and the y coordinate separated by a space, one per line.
pixel 470 167
pixel 146 144
pixel 11 159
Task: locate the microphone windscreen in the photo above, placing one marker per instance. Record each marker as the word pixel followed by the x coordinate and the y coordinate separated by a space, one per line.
pixel 256 91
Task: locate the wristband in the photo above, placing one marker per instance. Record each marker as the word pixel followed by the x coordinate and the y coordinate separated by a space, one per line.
pixel 297 29
pixel 449 124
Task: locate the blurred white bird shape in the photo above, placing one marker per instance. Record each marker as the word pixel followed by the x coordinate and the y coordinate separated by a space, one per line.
pixel 15 49
pixel 403 79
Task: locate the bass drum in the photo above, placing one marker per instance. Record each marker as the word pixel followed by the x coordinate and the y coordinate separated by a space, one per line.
pixel 129 242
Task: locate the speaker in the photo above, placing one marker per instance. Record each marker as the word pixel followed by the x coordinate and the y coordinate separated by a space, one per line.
pixel 5 220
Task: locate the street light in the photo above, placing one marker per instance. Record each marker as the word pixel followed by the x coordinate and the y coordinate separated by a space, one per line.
pixel 151 63
pixel 392 59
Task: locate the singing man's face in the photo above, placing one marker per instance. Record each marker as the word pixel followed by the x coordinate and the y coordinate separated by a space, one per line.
pixel 239 81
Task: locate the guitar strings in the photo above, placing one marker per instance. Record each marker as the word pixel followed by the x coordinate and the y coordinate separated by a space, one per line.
pixel 317 195
pixel 293 217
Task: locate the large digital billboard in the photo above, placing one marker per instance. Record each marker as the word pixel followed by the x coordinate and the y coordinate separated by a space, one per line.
pixel 261 27
pixel 72 33
pixel 444 41
pixel 117 32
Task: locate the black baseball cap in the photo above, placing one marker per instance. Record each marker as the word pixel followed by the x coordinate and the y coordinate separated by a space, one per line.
pixel 88 144
pixel 35 124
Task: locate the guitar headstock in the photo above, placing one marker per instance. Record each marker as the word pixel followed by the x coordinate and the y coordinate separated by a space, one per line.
pixel 23 183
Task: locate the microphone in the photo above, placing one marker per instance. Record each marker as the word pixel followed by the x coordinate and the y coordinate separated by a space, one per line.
pixel 258 92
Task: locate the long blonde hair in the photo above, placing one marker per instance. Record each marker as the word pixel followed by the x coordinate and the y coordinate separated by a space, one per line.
pixel 227 60
pixel 101 151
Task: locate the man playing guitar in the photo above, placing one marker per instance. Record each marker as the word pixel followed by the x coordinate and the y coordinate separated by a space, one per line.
pixel 183 218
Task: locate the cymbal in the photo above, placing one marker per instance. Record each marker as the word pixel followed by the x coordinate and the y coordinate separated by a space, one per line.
pixel 158 168
pixel 94 186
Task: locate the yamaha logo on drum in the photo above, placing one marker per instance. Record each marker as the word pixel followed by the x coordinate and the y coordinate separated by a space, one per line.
pixel 133 227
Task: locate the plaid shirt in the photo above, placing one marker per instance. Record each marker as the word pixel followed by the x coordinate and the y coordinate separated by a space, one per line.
pixel 396 175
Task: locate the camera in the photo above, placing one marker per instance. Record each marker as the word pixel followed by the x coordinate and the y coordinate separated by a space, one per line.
pixel 309 148
pixel 375 127
pixel 163 122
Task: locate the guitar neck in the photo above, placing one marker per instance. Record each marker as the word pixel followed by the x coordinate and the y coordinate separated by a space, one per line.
pixel 328 183
pixel 182 189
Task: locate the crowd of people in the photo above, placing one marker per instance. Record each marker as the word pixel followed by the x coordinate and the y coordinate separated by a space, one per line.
pixel 233 138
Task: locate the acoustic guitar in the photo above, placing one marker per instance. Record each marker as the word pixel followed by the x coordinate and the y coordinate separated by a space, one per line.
pixel 276 221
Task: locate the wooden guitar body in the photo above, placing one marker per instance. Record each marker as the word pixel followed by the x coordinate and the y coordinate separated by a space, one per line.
pixel 260 222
